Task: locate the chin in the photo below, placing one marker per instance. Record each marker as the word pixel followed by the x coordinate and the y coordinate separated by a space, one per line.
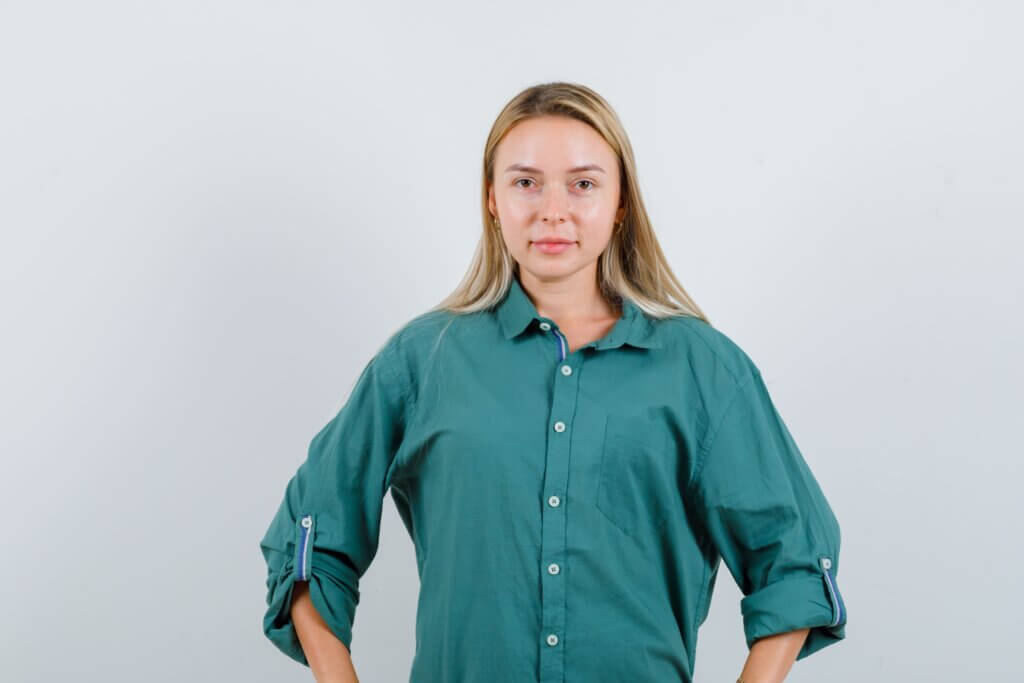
pixel 552 269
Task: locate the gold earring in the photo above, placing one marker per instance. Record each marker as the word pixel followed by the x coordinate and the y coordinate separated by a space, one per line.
pixel 497 223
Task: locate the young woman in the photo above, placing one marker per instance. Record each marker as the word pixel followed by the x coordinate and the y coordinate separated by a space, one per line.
pixel 571 445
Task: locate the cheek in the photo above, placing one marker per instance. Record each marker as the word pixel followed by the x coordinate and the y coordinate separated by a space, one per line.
pixel 592 245
pixel 517 213
pixel 595 211
pixel 515 238
pixel 595 237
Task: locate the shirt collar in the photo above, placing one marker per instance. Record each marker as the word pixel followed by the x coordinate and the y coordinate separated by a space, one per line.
pixel 516 312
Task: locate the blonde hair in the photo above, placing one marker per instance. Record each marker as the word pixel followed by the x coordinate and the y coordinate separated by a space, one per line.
pixel 632 265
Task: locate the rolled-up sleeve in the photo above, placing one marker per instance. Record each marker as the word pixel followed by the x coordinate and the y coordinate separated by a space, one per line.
pixel 326 530
pixel 762 510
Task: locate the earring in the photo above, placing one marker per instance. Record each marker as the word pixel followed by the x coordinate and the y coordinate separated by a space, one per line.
pixel 497 224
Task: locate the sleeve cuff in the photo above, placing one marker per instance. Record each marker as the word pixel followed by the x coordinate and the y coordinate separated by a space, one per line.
pixel 333 589
pixel 811 601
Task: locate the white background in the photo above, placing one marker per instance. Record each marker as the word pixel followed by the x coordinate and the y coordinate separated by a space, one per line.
pixel 213 213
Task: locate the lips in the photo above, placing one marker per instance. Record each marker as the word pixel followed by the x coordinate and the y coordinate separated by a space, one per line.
pixel 552 246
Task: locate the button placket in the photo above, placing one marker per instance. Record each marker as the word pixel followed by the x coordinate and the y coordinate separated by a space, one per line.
pixel 562 344
pixel 553 521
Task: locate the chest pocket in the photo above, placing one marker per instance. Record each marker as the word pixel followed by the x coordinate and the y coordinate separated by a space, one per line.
pixel 637 481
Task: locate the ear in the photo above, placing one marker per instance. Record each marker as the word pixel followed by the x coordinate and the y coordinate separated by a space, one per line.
pixel 620 214
pixel 491 204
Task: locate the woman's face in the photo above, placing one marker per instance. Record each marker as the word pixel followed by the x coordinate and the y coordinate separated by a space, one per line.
pixel 555 178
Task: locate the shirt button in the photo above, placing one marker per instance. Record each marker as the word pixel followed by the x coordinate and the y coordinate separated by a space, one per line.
pixel 552 639
pixel 826 563
pixel 553 501
pixel 559 426
pixel 307 522
pixel 566 370
pixel 553 568
pixel 545 326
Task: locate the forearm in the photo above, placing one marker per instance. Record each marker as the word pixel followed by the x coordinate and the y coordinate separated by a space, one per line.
pixel 772 657
pixel 328 657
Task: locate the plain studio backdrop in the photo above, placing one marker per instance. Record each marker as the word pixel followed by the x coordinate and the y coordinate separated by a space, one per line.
pixel 213 214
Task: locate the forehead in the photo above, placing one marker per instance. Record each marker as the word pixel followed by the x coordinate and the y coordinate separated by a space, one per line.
pixel 553 143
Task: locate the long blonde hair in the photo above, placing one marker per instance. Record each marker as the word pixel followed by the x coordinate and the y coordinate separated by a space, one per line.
pixel 633 264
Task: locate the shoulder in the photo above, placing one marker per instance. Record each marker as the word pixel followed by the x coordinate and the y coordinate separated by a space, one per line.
pixel 417 335
pixel 705 349
pixel 408 348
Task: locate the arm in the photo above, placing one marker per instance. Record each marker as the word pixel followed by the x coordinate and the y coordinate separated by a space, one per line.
pixel 762 510
pixel 771 657
pixel 325 532
pixel 328 657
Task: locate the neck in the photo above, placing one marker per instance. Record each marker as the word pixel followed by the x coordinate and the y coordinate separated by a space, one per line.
pixel 575 297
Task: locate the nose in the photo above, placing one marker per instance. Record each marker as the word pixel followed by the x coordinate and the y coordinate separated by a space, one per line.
pixel 555 207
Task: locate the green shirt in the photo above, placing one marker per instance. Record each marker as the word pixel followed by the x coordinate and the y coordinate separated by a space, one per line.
pixel 568 510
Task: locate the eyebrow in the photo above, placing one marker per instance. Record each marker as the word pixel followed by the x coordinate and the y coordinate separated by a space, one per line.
pixel 530 169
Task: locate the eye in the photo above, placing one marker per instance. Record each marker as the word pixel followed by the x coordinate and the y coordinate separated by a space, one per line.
pixel 587 181
pixel 521 180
